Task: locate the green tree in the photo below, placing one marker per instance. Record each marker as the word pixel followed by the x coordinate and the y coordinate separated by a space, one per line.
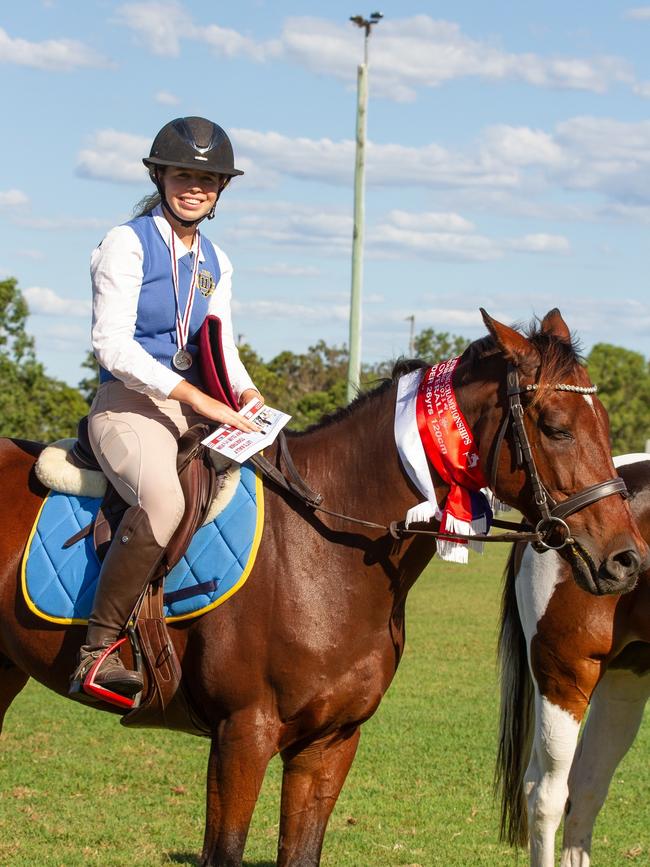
pixel 435 346
pixel 89 384
pixel 623 379
pixel 311 384
pixel 15 343
pixel 32 404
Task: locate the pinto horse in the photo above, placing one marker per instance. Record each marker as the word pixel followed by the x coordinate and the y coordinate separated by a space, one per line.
pixel 301 656
pixel 562 650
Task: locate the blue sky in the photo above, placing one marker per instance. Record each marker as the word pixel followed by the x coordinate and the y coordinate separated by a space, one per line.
pixel 508 161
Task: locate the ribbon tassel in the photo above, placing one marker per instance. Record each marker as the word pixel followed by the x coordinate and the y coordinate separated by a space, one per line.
pixel 430 430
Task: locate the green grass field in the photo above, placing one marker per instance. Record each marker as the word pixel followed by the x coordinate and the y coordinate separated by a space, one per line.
pixel 78 789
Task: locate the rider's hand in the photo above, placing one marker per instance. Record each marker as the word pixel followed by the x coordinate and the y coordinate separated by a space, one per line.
pixel 249 394
pixel 207 406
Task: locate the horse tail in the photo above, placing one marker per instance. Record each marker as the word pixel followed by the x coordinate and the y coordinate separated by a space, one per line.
pixel 516 712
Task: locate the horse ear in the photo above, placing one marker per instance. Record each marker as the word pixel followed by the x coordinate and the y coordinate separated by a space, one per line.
pixel 516 348
pixel 553 324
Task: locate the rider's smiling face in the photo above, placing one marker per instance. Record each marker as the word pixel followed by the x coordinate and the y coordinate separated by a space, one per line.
pixel 191 193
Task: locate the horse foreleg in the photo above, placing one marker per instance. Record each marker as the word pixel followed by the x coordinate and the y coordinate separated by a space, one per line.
pixel 311 783
pixel 12 680
pixel 240 752
pixel 614 718
pixel 546 781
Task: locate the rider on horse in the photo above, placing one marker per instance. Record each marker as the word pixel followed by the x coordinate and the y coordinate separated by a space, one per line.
pixel 155 279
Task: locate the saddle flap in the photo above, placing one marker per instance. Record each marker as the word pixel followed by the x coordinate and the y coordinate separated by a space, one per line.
pixel 200 485
pixel 199 482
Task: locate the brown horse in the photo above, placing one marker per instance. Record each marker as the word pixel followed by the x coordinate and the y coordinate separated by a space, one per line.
pixel 304 652
pixel 583 651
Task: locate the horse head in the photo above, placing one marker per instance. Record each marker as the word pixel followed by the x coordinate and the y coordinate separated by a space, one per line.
pixel 544 444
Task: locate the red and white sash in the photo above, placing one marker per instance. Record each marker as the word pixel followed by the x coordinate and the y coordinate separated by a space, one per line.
pixel 431 429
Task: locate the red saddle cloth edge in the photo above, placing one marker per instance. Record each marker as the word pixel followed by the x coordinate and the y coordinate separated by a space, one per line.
pixel 213 366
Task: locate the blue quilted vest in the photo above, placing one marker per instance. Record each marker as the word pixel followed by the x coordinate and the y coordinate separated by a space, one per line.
pixel 155 325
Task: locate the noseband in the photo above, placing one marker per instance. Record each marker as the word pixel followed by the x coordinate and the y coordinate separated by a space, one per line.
pixel 552 513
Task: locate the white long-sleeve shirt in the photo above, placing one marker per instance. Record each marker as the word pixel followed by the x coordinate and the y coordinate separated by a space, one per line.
pixel 116 268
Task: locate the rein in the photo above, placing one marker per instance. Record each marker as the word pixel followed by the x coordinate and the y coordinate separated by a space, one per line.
pixel 552 513
pixel 296 486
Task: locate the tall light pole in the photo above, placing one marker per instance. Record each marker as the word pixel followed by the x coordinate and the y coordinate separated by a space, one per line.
pixel 411 319
pixel 354 364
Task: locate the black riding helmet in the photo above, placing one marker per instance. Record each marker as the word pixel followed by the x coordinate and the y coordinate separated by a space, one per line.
pixel 191 142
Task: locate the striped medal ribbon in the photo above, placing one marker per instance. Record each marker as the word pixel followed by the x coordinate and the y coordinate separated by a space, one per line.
pixel 182 359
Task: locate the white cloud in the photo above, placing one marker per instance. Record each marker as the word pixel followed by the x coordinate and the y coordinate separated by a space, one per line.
pixel 54 55
pixel 276 154
pixel 282 269
pixel 166 98
pixel 430 220
pixel 229 43
pixel 406 53
pixel 510 169
pixel 114 156
pixel 13 198
pixel 301 226
pixel 42 301
pixel 638 13
pixel 328 161
pixel 539 243
pixel 397 235
pixel 395 241
pixel 607 156
pixel 35 255
pixel 521 146
pixel 289 310
pixel 423 52
pixel 63 224
pixel 159 25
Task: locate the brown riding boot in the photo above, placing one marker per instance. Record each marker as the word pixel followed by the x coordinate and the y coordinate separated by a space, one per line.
pixel 131 563
pixel 112 674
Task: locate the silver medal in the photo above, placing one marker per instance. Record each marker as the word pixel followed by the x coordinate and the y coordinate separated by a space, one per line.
pixel 182 359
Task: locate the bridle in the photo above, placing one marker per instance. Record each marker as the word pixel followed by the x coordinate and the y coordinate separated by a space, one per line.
pixel 552 513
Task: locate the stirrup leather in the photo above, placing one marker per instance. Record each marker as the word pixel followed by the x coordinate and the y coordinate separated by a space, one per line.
pixel 96 690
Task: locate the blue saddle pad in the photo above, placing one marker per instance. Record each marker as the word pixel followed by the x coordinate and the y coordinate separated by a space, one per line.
pixel 59 583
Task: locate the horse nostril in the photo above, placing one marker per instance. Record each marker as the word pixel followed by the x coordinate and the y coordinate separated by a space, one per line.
pixel 623 564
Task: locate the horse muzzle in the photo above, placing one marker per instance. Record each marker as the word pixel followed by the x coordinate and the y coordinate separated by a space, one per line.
pixel 616 574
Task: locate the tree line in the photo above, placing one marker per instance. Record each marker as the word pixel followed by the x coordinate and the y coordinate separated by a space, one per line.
pixel 307 385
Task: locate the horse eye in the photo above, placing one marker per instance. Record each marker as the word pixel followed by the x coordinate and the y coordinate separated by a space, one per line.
pixel 555 433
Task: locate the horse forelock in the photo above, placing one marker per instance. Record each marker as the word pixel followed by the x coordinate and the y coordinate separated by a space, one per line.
pixel 559 357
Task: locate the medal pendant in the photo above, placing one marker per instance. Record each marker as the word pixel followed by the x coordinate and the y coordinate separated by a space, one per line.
pixel 182 359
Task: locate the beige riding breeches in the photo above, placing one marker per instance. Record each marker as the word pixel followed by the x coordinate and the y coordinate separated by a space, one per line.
pixel 134 437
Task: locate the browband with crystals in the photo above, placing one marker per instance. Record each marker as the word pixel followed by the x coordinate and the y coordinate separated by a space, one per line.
pixel 578 389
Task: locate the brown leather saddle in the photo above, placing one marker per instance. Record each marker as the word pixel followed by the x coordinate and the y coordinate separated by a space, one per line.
pixel 163 702
pixel 199 480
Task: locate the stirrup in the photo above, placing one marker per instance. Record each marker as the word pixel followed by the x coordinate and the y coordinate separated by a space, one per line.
pixel 95 690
